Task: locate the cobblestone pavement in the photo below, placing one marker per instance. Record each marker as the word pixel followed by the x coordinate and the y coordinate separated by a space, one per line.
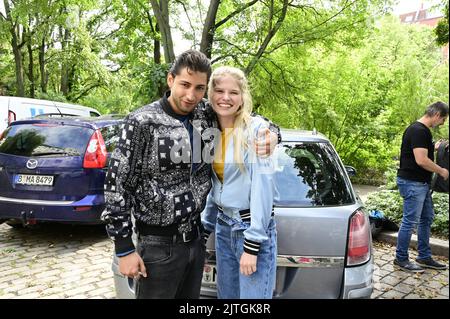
pixel 391 283
pixel 62 261
pixel 55 261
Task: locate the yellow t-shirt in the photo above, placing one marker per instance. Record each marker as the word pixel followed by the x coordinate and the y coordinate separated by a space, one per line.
pixel 219 159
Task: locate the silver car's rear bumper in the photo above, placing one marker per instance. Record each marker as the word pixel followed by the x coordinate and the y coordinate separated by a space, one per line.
pixel 358 281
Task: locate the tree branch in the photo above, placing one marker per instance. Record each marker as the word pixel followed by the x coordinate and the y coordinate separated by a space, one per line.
pixel 268 38
pixel 86 91
pixel 187 15
pixel 237 11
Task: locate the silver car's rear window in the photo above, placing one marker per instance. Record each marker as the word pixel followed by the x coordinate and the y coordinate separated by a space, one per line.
pixel 309 174
pixel 50 140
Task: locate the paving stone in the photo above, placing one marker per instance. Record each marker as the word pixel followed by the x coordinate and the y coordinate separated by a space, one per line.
pixel 99 292
pixel 106 283
pixel 404 288
pixel 392 280
pixel 47 274
pixel 9 278
pixel 79 290
pixel 393 294
pixel 444 291
pixel 434 284
pixel 413 281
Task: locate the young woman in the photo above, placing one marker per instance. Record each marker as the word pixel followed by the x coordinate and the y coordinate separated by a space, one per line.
pixel 239 207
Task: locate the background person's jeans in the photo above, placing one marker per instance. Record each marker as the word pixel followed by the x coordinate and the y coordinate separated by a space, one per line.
pixel 417 210
pixel 231 284
pixel 174 270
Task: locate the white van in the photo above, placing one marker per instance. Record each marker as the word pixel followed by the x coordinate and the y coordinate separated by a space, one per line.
pixel 14 108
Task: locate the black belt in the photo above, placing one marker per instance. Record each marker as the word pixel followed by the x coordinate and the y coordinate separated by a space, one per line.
pixel 169 233
pixel 185 237
pixel 245 214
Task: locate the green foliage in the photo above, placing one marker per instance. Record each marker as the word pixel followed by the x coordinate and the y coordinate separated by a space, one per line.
pixel 361 97
pixel 441 29
pixel 391 204
pixel 391 176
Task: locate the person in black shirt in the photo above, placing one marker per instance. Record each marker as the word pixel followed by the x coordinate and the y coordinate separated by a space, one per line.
pixel 413 180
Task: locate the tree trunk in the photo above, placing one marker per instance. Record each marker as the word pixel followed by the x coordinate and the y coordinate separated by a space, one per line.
pixel 44 75
pixel 209 28
pixel 157 48
pixel 162 87
pixel 30 64
pixel 64 87
pixel 20 89
pixel 161 12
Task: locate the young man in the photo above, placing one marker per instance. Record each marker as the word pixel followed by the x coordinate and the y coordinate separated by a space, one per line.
pixel 413 180
pixel 160 172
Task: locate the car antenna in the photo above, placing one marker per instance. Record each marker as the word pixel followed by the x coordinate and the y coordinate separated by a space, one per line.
pixel 58 109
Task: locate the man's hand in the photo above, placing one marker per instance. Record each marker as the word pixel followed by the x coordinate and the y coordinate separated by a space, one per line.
pixel 132 266
pixel 248 264
pixel 437 144
pixel 444 173
pixel 266 142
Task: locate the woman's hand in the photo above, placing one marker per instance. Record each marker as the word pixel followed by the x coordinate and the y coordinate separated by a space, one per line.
pixel 266 142
pixel 248 264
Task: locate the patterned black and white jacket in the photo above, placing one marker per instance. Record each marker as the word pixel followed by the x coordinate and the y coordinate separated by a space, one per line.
pixel 151 175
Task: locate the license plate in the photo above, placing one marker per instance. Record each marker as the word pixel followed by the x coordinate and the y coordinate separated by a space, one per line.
pixel 209 274
pixel 38 180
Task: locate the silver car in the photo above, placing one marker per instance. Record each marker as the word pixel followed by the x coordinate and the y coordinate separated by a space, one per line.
pixel 324 238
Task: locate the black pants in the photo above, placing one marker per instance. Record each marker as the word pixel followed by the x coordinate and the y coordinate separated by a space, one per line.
pixel 174 268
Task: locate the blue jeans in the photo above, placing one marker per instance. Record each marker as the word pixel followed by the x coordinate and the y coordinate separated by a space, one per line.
pixel 231 284
pixel 417 212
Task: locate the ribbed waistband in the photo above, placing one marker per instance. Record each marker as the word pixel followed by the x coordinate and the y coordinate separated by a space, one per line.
pixel 245 214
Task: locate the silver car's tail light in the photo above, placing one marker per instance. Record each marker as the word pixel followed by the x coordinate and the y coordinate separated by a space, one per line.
pixel 358 248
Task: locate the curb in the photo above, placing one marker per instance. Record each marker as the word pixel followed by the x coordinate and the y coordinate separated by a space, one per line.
pixel 439 247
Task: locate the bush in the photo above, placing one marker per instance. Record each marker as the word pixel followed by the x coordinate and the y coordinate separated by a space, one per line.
pixel 391 204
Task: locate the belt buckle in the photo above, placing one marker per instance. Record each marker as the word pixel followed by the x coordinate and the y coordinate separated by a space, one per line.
pixel 190 235
pixel 185 238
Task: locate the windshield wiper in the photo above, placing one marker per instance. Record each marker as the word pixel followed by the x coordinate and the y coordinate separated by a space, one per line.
pixel 54 153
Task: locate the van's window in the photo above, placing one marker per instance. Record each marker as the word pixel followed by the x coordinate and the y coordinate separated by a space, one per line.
pixel 50 140
pixel 110 135
pixel 94 114
pixel 309 174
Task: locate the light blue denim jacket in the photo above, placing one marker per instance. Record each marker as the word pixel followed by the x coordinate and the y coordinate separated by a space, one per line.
pixel 252 190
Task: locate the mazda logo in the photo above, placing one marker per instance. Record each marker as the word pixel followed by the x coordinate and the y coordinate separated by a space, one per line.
pixel 32 163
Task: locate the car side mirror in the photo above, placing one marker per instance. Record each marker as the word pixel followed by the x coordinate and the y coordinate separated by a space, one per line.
pixel 351 171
